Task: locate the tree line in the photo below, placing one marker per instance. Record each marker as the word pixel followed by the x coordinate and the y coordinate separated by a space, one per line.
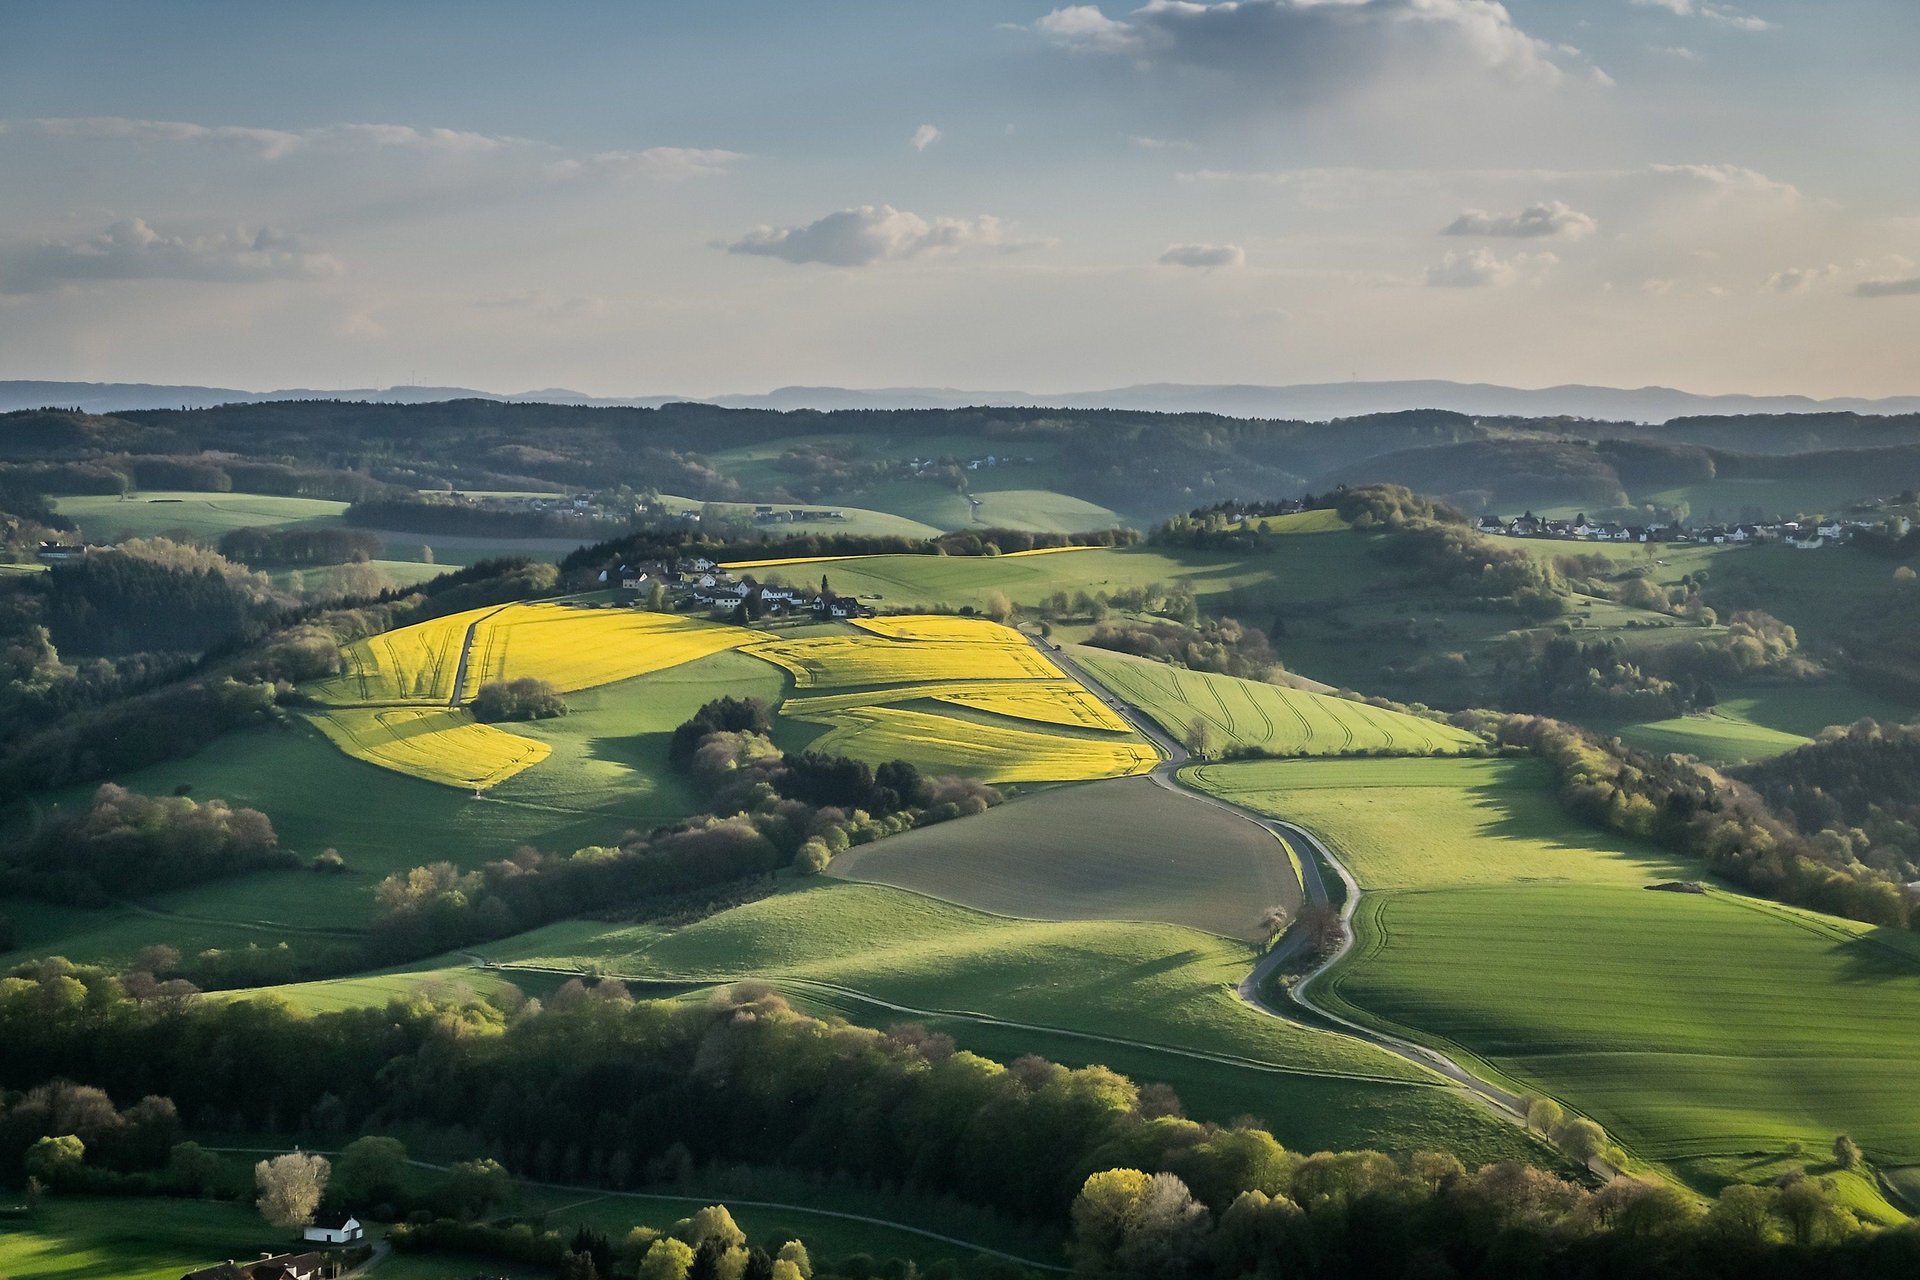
pixel 602 1089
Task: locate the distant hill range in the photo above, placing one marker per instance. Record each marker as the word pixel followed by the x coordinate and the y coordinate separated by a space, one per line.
pixel 1313 402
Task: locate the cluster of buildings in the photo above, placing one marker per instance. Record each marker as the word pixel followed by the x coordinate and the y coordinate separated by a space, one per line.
pixel 1806 536
pixel 696 582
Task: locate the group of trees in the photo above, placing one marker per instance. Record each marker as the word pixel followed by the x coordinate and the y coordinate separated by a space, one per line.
pixel 1222 645
pixel 1706 815
pixel 1360 1215
pixel 297 546
pixel 525 698
pixel 127 845
pixel 1857 790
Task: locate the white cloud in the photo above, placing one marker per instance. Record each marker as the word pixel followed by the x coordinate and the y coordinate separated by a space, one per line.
pixel 925 136
pixel 1724 14
pixel 1679 51
pixel 132 250
pixel 868 234
pixel 1304 49
pixel 1204 255
pixel 1799 279
pixel 272 144
pixel 664 164
pixel 1534 222
pixel 1904 288
pixel 1146 143
pixel 1082 27
pixel 1481 269
pixel 659 164
pixel 1729 177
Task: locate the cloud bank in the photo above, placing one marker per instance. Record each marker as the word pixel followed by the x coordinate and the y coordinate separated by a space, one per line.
pixel 869 234
pixel 132 250
pixel 1204 255
pixel 1537 221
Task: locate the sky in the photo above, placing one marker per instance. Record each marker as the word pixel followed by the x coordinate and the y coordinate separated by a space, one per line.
pixel 734 195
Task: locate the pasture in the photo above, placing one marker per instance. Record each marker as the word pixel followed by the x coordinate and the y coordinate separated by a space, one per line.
pixel 1695 1027
pixel 1040 511
pixel 1083 853
pixel 201 517
pixel 1153 1000
pixel 1266 717
pixel 124 1238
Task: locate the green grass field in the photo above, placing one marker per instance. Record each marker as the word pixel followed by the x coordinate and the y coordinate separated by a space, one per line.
pixel 856 520
pixel 1754 724
pixel 1692 1026
pixel 1716 738
pixel 204 516
pixel 1080 853
pixel 1152 1000
pixel 1042 511
pixel 1268 717
pixel 91 1238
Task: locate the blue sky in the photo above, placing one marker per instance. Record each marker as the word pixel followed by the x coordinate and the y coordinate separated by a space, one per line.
pixel 698 198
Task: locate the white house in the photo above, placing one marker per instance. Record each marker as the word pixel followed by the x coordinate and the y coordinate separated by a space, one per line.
pixel 337 1229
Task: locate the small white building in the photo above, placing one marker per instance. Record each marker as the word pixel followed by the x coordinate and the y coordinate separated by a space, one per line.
pixel 336 1230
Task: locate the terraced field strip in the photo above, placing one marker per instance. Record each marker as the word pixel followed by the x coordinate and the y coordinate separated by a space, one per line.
pixel 1267 717
pixel 939 744
pixel 1062 702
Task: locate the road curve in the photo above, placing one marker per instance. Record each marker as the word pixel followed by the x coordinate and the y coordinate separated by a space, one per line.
pixel 1509 1105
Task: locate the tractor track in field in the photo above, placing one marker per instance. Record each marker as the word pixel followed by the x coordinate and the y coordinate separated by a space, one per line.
pixel 1314 853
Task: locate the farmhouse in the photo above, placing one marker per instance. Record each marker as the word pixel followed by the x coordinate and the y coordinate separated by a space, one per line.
pixel 340 1228
pixel 285 1266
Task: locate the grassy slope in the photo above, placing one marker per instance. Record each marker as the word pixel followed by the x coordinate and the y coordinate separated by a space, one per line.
pixel 1248 713
pixel 204 515
pixel 1080 853
pixel 1693 1027
pixel 88 1238
pixel 1041 510
pixel 839 947
pixel 607 773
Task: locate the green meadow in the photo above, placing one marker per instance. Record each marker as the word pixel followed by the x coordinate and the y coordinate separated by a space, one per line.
pixel 203 516
pixel 1266 717
pixel 1695 1027
pixel 1153 1000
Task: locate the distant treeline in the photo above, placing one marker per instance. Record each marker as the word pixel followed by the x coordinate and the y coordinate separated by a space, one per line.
pixel 672 544
pixel 425 515
pixel 298 546
pixel 1857 789
pixel 1131 461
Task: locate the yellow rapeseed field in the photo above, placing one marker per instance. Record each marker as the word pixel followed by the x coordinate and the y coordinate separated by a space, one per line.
pixel 412 664
pixel 1047 701
pixel 577 648
pixel 393 706
pixel 911 650
pixel 939 744
pixel 435 744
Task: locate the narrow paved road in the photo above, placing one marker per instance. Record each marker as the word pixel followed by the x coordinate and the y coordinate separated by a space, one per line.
pixel 466 655
pixel 1305 844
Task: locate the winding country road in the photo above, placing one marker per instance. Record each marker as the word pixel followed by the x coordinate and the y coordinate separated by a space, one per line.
pixel 1313 853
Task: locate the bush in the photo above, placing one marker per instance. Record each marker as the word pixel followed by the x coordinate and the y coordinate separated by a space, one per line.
pixel 522 699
